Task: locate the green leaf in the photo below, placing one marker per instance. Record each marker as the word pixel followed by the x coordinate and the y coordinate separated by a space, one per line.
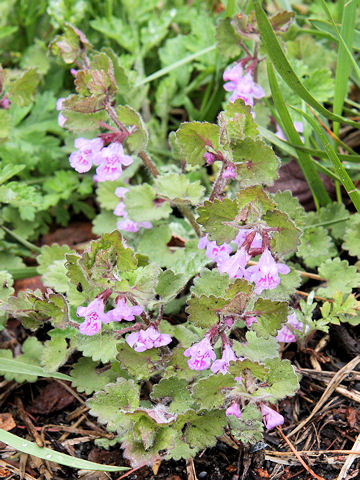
pixel 272 316
pixel 153 243
pixel 286 202
pixel 54 353
pixel 210 282
pixel 255 162
pixel 51 455
pixel 169 285
pixel 179 188
pixel 254 201
pixel 105 194
pixel 140 365
pixel 257 349
pixel 227 40
pixel 110 405
pixel 116 29
pixel 7 171
pixel 340 277
pixel 139 137
pixel 193 137
pixel 5 127
pixel 240 367
pixel 85 377
pixel 51 253
pixel 208 392
pixel 213 216
pixel 203 311
pixel 352 235
pixel 248 428
pixel 286 239
pixel 100 347
pixel 139 202
pixel 22 91
pixel 83 122
pixel 175 389
pixel 316 246
pixel 105 221
pixel 203 428
pixel 282 377
pixel 332 212
pixel 284 68
pixel 237 121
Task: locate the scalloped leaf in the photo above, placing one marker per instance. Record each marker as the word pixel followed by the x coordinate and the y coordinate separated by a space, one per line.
pixel 31 349
pixel 213 216
pixel 193 137
pixel 203 311
pixel 51 253
pixel 257 349
pixel 255 162
pixel 100 347
pixel 237 121
pixel 208 391
pixel 140 365
pixel 85 377
pixel 177 187
pixel 55 351
pixel 286 239
pixel 249 428
pixel 201 427
pixel 352 235
pixel 140 206
pixel 139 136
pixel 282 377
pixel 110 406
pixel 210 282
pixel 272 316
pixel 340 277
pixel 286 202
pixel 227 40
pixel 316 246
pixel 175 389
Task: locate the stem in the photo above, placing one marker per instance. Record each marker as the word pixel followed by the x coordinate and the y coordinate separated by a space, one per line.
pixel 190 216
pixel 132 328
pixel 218 185
pixel 25 272
pixel 174 66
pixel 21 240
pixel 149 164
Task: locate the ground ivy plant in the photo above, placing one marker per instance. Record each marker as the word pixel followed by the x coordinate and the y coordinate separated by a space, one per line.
pixel 180 308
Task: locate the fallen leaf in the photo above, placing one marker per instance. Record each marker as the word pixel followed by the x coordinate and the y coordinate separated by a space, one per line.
pixel 7 422
pixel 53 397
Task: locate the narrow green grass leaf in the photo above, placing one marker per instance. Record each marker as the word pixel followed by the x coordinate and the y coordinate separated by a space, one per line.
pixel 51 455
pixel 346 181
pixel 347 51
pixel 282 65
pixel 9 365
pixel 343 65
pixel 321 197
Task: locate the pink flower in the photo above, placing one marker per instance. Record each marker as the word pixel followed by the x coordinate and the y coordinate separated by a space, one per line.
pixel 286 335
pixel 230 171
pixel 299 127
pixel 110 163
pixel 234 266
pixel 243 233
pixel 121 192
pixel 127 225
pixel 221 365
pixel 86 154
pixel 234 409
pixel 94 316
pixel 271 418
pixel 265 274
pixel 214 251
pixel 120 210
pixel 242 86
pixel 209 157
pixel 201 354
pixel 59 107
pixel 122 311
pixel 250 320
pixel 146 339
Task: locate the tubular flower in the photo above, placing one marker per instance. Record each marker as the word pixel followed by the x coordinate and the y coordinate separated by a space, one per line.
pixel 94 317
pixel 122 311
pixel 286 335
pixel 146 339
pixel 110 162
pixel 221 365
pixel 202 354
pixel 265 274
pixel 271 418
pixel 86 154
pixel 242 85
pixel 234 409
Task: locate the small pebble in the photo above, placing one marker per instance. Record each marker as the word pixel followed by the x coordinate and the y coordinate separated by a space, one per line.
pixel 202 474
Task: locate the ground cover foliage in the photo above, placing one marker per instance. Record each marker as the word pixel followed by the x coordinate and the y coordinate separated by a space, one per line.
pixel 170 136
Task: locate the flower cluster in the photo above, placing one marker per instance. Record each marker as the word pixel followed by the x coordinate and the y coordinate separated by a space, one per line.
pixel 242 85
pixel 125 224
pixel 202 354
pixel 265 274
pixel 146 339
pixel 286 335
pixel 109 160
pixel 95 316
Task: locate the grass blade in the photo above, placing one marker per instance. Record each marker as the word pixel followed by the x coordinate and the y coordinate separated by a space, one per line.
pixel 346 181
pixel 51 455
pixel 8 365
pixel 343 65
pixel 282 65
pixel 341 40
pixel 321 197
